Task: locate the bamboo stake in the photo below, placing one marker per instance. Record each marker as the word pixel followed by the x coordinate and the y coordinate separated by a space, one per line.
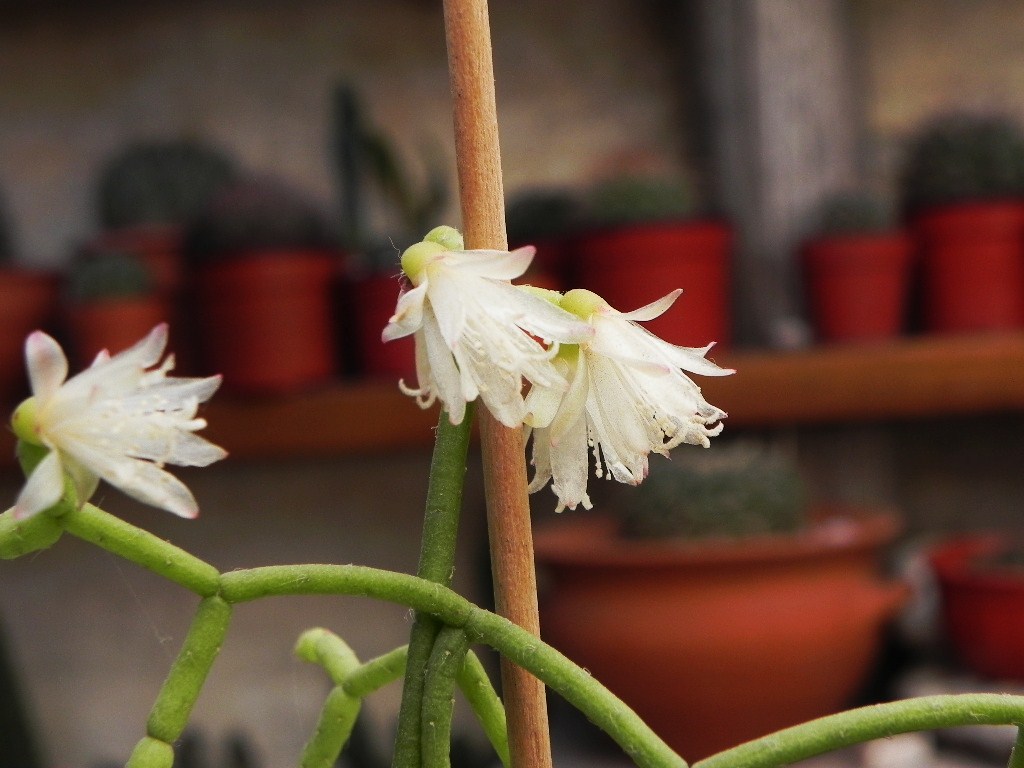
pixel 508 513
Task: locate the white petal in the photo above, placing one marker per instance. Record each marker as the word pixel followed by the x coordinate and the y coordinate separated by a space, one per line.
pixel 497 265
pixel 43 489
pixel 444 376
pixel 654 309
pixel 408 315
pixel 47 365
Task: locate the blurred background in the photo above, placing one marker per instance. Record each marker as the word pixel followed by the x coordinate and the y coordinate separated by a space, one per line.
pixel 250 171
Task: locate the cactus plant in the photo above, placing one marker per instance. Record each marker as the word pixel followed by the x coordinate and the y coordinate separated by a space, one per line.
pixel 729 491
pixel 160 182
pixel 258 213
pixel 848 213
pixel 627 200
pixel 962 157
pixel 541 214
pixel 367 162
pixel 107 275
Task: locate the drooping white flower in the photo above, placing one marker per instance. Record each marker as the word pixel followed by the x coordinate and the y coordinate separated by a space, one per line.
pixel 476 334
pixel 628 396
pixel 119 420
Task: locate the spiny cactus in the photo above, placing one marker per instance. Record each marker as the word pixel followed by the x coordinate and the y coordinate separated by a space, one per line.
pixel 541 214
pixel 634 199
pixel 161 182
pixel 105 275
pixel 723 492
pixel 853 213
pixel 962 157
pixel 258 213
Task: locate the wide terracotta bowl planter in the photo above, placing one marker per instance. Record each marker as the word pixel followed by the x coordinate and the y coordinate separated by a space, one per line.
pixel 973 266
pixel 114 325
pixel 858 285
pixel 983 605
pixel 633 266
pixel 267 320
pixel 28 301
pixel 719 642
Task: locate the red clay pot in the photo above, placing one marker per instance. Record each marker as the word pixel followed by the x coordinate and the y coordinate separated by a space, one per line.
pixel 718 642
pixel 633 266
pixel 858 285
pixel 374 299
pixel 267 320
pixel 983 605
pixel 114 325
pixel 973 266
pixel 28 300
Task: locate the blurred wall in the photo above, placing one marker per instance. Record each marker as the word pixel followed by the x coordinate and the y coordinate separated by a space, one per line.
pixel 584 88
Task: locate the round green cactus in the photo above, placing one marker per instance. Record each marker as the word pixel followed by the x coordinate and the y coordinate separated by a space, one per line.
pixel 962 158
pixel 108 275
pixel 724 492
pixel 161 182
pixel 636 199
pixel 852 213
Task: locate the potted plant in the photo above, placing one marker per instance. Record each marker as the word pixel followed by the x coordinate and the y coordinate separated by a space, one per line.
pixel 716 602
pixel 149 192
pixel 112 302
pixel 266 267
pixel 981 581
pixel 372 175
pixel 963 187
pixel 643 232
pixel 28 299
pixel 857 268
pixel 546 218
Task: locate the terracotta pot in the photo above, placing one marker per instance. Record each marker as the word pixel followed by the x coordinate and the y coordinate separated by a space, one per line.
pixel 973 266
pixel 633 266
pixel 858 285
pixel 373 300
pixel 983 605
pixel 28 300
pixel 114 325
pixel 718 642
pixel 267 321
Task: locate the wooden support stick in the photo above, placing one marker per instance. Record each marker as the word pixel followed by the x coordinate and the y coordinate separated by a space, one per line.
pixel 508 512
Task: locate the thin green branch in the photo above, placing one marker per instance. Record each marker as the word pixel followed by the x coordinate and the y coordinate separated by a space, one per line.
pixel 180 690
pixel 570 681
pixel 479 692
pixel 1017 753
pixel 874 722
pixel 142 548
pixel 376 673
pixel 20 537
pixel 340 710
pixel 446 659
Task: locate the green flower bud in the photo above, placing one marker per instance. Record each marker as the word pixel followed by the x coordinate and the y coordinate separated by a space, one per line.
pixel 416 257
pixel 23 422
pixel 582 303
pixel 447 236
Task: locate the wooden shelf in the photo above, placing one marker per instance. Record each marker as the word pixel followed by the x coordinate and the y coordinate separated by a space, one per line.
pixel 912 378
pixel 909 379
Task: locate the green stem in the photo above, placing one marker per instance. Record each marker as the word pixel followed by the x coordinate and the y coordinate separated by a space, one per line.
pixel 142 548
pixel 479 692
pixel 570 681
pixel 437 564
pixel 340 710
pixel 446 659
pixel 877 721
pixel 20 537
pixel 1017 753
pixel 180 690
pixel 376 673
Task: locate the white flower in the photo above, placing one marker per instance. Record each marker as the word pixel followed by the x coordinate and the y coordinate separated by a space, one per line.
pixel 476 334
pixel 121 420
pixel 628 396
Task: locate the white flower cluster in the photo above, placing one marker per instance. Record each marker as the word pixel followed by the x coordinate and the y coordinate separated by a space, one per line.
pixel 119 420
pixel 598 382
